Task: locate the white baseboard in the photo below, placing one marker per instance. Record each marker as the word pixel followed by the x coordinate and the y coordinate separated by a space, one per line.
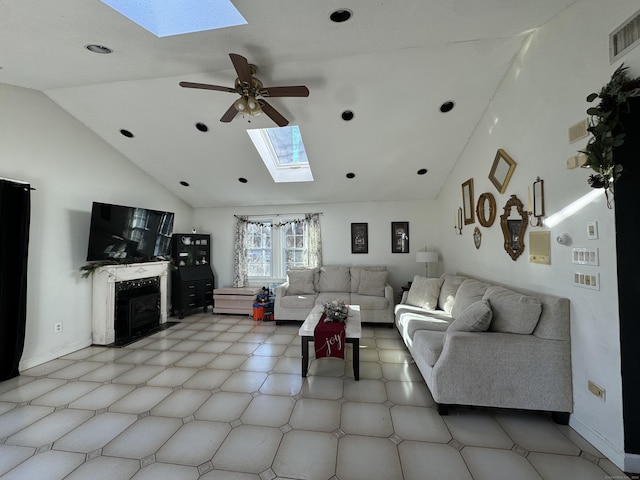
pixel 604 445
pixel 26 363
pixel 631 463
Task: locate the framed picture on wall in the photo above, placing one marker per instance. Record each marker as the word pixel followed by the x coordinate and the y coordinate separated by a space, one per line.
pixel 399 237
pixel 359 238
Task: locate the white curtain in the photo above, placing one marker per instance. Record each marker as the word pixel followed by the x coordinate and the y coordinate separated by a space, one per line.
pixel 240 278
pixel 313 240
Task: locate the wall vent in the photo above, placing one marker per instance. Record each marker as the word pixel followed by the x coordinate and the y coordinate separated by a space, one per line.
pixel 624 38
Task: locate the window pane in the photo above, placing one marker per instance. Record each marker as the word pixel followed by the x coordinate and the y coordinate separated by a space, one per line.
pixel 259 250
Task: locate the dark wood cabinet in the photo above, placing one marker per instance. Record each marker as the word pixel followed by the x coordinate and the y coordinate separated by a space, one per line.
pixel 192 280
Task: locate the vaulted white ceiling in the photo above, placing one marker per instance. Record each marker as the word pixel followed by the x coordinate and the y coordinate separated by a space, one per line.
pixel 393 64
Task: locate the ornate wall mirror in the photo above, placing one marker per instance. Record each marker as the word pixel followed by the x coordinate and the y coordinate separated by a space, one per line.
pixel 502 170
pixel 514 222
pixel 467 201
pixel 486 209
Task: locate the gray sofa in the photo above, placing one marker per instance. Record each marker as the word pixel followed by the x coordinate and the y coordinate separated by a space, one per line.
pixel 486 345
pixel 355 285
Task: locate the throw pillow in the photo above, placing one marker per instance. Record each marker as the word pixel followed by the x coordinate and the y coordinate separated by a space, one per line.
pixel 300 282
pixel 513 312
pixel 334 279
pixel 470 291
pixel 448 291
pixel 475 318
pixel 424 292
pixel 372 283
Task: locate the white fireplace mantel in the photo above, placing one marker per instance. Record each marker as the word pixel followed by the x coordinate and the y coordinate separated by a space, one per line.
pixel 104 294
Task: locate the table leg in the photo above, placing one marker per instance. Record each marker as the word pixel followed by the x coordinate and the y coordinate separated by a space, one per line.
pixel 305 355
pixel 356 358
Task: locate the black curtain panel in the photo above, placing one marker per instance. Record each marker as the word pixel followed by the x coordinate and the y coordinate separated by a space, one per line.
pixel 15 211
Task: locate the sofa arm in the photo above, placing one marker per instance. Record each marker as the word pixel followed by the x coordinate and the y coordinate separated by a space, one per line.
pixel 281 290
pixel 503 370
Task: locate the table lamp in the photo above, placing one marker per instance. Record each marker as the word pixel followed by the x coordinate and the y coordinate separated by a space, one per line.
pixel 426 258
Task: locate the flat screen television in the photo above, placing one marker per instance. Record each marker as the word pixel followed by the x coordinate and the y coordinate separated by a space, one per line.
pixel 128 233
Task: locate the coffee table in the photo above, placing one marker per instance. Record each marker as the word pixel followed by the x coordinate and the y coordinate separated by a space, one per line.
pixel 353 333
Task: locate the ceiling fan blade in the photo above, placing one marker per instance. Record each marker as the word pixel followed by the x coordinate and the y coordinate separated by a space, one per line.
pixel 242 68
pixel 273 114
pixel 229 114
pixel 206 86
pixel 290 91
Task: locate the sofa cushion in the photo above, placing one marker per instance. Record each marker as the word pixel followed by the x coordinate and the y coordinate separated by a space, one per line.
pixel 372 283
pixel 424 292
pixel 369 302
pixel 448 291
pixel 428 346
pixel 334 279
pixel 325 297
pixel 298 301
pixel 355 275
pixel 301 282
pixel 469 292
pixel 512 312
pixel 475 318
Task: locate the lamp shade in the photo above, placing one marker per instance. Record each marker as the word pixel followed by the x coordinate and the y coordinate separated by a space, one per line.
pixel 426 257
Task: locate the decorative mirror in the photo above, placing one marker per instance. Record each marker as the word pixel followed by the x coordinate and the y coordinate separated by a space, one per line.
pixel 477 237
pixel 514 222
pixel 486 209
pixel 467 201
pixel 502 170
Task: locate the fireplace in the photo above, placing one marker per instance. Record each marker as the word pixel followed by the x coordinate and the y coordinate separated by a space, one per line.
pixel 137 308
pixel 122 290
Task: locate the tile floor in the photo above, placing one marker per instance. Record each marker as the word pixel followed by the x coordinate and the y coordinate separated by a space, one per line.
pixel 221 397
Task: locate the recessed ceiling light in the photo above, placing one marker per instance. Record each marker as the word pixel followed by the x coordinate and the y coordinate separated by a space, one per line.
pixel 183 183
pixel 126 133
pixel 350 175
pixel 202 127
pixel 243 180
pixel 447 106
pixel 341 15
pixel 347 115
pixel 98 49
pixel 422 171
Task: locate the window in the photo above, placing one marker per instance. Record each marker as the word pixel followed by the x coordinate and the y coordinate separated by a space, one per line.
pixel 272 249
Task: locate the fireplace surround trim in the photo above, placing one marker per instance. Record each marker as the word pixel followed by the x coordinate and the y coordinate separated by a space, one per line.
pixel 104 295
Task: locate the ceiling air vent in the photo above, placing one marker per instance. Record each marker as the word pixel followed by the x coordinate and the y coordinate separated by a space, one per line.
pixel 625 37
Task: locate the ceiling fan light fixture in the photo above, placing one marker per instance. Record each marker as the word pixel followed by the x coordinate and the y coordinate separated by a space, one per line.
pixel 253 107
pixel 241 105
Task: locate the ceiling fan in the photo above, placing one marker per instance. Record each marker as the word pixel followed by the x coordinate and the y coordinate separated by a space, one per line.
pixel 250 89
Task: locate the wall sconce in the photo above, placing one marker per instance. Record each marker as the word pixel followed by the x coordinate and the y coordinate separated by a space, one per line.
pixel 536 214
pixel 457 227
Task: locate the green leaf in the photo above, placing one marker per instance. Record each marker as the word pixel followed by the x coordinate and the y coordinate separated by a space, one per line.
pixel 593 111
pixel 592 97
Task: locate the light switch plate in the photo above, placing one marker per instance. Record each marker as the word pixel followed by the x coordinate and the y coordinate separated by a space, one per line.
pixel 586 280
pixel 585 256
pixel 592 230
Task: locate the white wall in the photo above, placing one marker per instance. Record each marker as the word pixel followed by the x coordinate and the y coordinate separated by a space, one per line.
pixel 541 96
pixel 335 223
pixel 70 168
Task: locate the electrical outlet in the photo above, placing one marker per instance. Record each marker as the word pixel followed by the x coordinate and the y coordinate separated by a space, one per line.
pixel 597 390
pixel 57 327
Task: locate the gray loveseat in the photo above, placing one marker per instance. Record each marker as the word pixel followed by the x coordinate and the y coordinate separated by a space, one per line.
pixel 487 345
pixel 355 285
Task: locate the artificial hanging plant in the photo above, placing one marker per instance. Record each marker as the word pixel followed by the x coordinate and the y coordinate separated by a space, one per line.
pixel 603 126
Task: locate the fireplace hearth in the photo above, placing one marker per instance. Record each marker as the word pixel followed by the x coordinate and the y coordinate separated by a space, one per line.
pixel 137 308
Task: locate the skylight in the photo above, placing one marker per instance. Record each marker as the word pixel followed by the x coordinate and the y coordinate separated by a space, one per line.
pixel 164 18
pixel 283 153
